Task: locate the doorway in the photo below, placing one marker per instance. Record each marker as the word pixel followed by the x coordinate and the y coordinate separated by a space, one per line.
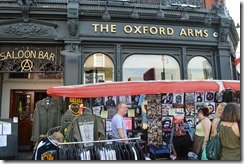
pixel 22 106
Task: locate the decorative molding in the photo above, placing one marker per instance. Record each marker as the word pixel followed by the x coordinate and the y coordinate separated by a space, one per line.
pixel 73 17
pixel 25 12
pixel 14 21
pixel 73 26
pixel 27 30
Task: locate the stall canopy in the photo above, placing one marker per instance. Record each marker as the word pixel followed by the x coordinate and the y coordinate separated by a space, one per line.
pixel 141 87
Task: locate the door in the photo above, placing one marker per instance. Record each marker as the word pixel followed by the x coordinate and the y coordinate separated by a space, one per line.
pixel 22 106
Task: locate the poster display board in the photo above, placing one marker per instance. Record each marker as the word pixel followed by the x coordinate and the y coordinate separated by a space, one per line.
pixel 8 138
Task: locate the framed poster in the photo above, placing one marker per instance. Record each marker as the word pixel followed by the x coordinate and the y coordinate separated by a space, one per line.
pixel 104 114
pixel 131 113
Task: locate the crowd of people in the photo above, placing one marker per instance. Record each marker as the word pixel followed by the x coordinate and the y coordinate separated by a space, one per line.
pixel 183 140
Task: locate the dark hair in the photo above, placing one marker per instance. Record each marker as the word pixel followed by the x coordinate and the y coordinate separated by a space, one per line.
pixel 204 111
pixel 231 112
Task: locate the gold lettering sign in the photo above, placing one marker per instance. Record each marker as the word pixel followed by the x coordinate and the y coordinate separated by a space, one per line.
pixel 152 30
pixel 26 65
pixel 104 28
pixel 27 54
pixel 26 57
pixel 75 100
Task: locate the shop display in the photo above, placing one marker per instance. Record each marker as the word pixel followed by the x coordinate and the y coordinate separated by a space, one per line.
pixel 199 96
pixel 150 116
pixel 97 110
pixel 47 115
pixel 110 101
pixel 189 98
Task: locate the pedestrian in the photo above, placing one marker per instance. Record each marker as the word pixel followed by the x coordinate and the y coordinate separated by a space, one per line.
pixel 118 123
pixel 202 131
pixel 229 132
pixel 216 119
pixel 181 139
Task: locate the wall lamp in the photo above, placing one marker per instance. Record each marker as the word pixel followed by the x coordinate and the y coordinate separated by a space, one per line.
pixel 160 14
pixel 106 15
pixel 134 14
pixel 184 15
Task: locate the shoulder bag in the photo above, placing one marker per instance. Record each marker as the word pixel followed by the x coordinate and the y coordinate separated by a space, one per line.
pixel 213 147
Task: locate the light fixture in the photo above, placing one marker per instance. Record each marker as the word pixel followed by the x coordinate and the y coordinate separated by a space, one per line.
pixel 160 14
pixel 184 15
pixel 208 20
pixel 106 15
pixel 134 14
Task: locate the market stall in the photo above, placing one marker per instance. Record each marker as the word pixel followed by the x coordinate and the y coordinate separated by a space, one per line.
pixel 153 105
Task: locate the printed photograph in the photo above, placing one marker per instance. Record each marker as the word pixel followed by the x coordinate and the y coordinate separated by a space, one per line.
pixel 189 97
pixel 199 96
pixel 167 98
pixel 178 98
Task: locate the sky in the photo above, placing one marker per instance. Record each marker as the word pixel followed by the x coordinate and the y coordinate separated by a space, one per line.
pixel 234 9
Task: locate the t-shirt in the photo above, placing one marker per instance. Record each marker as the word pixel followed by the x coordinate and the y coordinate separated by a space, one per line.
pixel 117 123
pixel 45 150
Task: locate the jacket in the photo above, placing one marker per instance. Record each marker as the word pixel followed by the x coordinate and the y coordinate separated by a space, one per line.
pixel 46 116
pixel 86 127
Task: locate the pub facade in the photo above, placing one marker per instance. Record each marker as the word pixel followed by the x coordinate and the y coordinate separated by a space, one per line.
pixel 45 43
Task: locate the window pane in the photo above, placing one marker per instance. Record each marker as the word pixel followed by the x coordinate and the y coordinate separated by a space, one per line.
pixel 99 60
pixel 49 75
pixel 98 68
pixel 199 68
pixel 151 67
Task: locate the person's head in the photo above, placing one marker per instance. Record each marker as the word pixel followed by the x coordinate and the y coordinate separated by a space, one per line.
pixel 203 112
pixel 220 109
pixel 231 113
pixel 110 97
pixel 122 108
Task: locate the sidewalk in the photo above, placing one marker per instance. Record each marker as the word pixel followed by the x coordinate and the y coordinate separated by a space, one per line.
pixel 23 155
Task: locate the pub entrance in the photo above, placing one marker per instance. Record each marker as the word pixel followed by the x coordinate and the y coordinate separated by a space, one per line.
pixel 22 105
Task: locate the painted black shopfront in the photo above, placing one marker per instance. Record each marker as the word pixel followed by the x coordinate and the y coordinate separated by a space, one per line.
pixel 78 27
pixel 62 38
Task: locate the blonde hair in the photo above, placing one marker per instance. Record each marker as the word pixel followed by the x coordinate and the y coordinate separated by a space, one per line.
pixel 221 106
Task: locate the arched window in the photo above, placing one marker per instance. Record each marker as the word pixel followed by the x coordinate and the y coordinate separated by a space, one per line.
pixel 150 67
pixel 98 68
pixel 199 68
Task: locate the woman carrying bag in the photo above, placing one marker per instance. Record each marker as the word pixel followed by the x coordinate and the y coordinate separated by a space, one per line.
pixel 202 131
